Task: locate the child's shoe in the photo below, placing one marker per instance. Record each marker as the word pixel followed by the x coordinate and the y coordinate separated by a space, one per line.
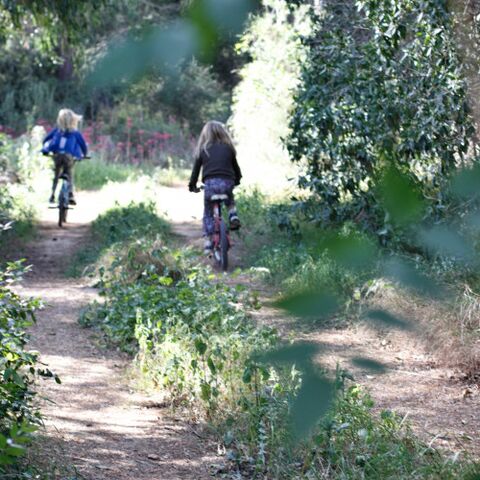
pixel 52 198
pixel 72 201
pixel 208 247
pixel 234 221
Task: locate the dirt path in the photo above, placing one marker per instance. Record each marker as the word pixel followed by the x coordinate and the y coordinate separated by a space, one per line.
pixel 109 432
pixel 94 421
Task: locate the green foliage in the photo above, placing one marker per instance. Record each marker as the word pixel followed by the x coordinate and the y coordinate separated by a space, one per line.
pixel 24 179
pixel 195 95
pixel 117 225
pixel 93 174
pixel 263 99
pixel 19 416
pixel 303 261
pixel 45 63
pixel 194 338
pixel 382 88
pixel 355 443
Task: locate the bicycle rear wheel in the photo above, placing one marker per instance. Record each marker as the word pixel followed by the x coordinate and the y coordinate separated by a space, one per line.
pixel 63 199
pixel 223 246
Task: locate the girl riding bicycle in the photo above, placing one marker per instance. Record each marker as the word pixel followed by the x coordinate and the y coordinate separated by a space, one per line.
pixel 216 155
pixel 67 144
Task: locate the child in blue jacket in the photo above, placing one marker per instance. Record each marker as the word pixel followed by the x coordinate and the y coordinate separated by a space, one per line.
pixel 67 144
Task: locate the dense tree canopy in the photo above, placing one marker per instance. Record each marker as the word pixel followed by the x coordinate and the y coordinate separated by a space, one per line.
pixel 383 85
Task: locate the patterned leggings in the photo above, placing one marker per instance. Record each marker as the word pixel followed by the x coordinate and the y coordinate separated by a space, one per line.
pixel 215 186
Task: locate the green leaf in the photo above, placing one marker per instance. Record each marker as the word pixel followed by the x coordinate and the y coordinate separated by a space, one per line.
pixel 15 450
pixel 442 240
pixel 465 184
pixel 401 197
pixel 405 272
pixel 205 392
pixel 211 365
pixel 200 346
pixel 299 354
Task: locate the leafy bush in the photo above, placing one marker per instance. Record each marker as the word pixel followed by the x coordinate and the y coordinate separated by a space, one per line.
pixel 19 416
pixel 382 95
pixel 117 225
pixel 24 181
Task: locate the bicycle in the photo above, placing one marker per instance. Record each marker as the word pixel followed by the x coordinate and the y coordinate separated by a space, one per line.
pixel 64 196
pixel 221 236
pixel 64 199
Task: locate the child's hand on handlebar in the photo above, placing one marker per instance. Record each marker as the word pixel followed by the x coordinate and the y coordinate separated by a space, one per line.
pixel 193 188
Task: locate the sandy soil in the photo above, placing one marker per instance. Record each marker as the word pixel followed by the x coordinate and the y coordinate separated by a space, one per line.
pixel 103 428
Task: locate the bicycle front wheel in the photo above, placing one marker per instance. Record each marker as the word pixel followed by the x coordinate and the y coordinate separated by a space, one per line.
pixel 223 246
pixel 63 199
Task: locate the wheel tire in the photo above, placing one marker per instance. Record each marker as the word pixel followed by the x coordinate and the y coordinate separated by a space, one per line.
pixel 61 215
pixel 223 246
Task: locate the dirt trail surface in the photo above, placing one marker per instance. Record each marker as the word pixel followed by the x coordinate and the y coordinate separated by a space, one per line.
pixel 110 432
pixel 96 423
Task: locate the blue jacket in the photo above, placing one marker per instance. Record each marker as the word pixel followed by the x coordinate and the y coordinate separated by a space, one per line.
pixel 65 141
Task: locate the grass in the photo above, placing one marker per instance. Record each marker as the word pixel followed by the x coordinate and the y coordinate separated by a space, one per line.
pixel 296 256
pixel 94 173
pixel 119 224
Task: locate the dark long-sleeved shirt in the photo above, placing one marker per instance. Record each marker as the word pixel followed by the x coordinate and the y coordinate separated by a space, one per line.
pixel 220 162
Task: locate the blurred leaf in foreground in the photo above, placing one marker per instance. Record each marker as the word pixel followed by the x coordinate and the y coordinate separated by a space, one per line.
pixel 369 364
pixel 217 19
pixel 313 400
pixel 310 304
pixel 400 197
pixel 162 47
pixel 386 319
pixel 465 183
pixel 349 251
pixel 300 354
pixel 167 47
pixel 405 273
pixel 441 240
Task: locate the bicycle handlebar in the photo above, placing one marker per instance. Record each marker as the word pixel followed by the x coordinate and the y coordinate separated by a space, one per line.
pixel 51 154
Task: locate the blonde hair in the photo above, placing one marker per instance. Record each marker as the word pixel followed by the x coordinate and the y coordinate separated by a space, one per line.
pixel 67 119
pixel 213 132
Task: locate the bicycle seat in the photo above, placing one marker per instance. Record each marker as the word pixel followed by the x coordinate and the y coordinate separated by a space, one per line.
pixel 219 197
pixel 64 176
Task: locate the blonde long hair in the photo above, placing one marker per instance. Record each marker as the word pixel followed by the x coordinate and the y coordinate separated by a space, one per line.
pixel 67 119
pixel 213 132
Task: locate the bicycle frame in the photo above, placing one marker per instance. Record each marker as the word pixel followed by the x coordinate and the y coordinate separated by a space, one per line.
pixel 221 237
pixel 64 199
